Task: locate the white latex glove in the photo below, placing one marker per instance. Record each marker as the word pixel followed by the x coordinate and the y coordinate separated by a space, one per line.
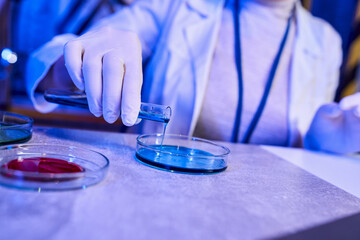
pixel 336 127
pixel 107 64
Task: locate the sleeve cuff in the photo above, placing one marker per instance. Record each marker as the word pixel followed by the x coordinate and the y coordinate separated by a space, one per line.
pixel 39 64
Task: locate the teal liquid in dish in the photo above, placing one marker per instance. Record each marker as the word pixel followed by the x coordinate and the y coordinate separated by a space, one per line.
pixel 181 159
pixel 9 136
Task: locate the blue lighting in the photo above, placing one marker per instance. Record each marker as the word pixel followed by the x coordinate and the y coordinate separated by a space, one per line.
pixel 8 56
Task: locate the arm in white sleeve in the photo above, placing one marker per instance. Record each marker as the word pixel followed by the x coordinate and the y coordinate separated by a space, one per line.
pixel 38 66
pixel 334 128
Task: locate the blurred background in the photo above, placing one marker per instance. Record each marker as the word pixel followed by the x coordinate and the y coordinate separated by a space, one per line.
pixel 25 25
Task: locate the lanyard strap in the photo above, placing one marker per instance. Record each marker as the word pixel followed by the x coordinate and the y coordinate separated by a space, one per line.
pixel 268 85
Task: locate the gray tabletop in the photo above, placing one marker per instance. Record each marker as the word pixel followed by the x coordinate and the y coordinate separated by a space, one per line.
pixel 259 196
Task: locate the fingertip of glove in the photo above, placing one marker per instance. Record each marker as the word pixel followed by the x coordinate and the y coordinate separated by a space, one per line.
pixel 129 120
pixel 79 84
pixel 97 113
pixel 111 118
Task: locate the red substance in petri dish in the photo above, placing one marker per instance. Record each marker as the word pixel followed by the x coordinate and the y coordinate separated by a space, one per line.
pixel 43 165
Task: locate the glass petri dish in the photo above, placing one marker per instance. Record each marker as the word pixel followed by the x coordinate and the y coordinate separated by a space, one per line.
pixel 181 153
pixel 91 167
pixel 14 128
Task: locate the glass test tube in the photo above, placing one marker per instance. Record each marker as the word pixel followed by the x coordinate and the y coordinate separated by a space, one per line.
pixel 149 111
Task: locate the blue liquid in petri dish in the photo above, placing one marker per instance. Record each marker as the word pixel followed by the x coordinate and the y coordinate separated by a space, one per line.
pixel 10 136
pixel 181 159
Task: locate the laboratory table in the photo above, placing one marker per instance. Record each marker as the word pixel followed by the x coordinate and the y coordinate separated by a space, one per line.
pixel 266 193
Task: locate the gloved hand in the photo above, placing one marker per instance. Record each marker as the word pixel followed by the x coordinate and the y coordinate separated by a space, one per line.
pixel 107 64
pixel 336 127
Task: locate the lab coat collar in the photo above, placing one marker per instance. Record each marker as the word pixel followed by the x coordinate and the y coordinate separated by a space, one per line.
pixel 201 36
pixel 307 51
pixel 306 37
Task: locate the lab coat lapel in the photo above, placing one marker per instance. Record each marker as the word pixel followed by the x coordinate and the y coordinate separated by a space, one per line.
pixel 182 60
pixel 303 72
pixel 201 40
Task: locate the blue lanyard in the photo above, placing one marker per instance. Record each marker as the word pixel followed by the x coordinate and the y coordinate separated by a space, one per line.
pixel 268 85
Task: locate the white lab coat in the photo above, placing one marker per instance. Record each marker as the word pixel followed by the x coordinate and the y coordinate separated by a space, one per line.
pixel 180 36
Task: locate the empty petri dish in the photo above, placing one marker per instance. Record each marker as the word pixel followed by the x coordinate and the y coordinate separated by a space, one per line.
pixel 14 128
pixel 181 153
pixel 50 167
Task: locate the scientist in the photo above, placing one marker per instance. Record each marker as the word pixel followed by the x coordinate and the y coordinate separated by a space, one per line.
pixel 251 71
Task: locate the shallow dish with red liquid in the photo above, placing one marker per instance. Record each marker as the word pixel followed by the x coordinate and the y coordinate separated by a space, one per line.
pixel 50 167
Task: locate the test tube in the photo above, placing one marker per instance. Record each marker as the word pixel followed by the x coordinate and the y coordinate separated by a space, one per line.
pixel 155 112
pixel 149 111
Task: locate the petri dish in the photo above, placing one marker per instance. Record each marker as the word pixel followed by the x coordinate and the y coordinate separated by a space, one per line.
pixel 44 167
pixel 14 128
pixel 181 153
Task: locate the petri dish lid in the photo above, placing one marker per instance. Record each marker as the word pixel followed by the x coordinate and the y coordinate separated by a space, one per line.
pixel 91 167
pixel 14 128
pixel 181 153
